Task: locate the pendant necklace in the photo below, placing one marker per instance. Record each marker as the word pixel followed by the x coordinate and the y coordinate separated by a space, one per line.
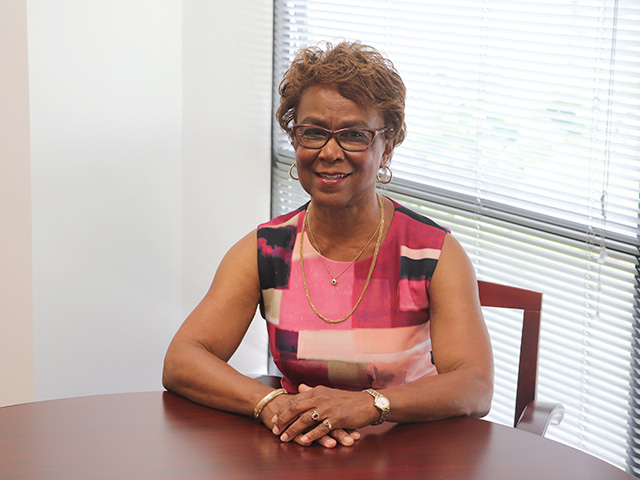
pixel 380 232
pixel 314 243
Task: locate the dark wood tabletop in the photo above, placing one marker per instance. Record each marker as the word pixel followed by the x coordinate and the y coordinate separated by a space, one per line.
pixel 158 435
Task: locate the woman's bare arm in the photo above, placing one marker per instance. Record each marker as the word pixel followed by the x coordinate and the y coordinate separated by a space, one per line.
pixel 196 361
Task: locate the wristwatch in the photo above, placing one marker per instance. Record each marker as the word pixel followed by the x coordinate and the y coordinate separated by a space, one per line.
pixel 381 403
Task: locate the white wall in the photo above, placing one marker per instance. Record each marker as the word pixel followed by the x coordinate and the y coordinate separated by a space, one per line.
pixel 139 177
pixel 105 153
pixel 227 122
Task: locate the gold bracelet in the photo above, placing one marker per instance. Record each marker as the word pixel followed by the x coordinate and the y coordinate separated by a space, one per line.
pixel 266 399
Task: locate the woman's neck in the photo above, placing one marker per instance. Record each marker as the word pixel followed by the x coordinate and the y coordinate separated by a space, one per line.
pixel 340 233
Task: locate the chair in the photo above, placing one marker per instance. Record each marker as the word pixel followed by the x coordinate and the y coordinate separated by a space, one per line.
pixel 530 414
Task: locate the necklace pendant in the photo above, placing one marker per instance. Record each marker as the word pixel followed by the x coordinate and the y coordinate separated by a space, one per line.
pixel 334 281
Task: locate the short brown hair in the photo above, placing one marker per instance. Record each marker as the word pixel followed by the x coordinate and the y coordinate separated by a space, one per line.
pixel 360 73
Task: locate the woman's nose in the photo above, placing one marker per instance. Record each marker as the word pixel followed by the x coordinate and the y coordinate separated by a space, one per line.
pixel 332 151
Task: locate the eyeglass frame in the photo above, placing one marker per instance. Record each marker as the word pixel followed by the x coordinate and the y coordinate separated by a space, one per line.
pixel 334 134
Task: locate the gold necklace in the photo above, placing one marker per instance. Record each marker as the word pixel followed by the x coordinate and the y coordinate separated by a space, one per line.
pixel 366 285
pixel 334 278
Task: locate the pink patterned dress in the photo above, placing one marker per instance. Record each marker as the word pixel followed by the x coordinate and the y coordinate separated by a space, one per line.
pixel 385 342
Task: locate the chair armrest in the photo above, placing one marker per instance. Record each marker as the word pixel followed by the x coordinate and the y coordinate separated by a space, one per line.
pixel 537 416
pixel 271 380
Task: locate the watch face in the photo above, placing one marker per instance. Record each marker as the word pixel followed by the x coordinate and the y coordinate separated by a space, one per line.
pixel 382 402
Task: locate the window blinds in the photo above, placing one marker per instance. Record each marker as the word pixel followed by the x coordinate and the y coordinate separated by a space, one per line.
pixel 523 134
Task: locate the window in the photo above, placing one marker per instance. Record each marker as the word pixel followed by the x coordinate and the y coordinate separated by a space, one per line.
pixel 523 138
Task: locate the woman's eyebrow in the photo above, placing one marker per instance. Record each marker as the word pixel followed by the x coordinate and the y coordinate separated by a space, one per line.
pixel 313 121
pixel 345 124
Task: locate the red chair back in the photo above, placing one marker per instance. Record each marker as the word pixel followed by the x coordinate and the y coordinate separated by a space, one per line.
pixel 530 302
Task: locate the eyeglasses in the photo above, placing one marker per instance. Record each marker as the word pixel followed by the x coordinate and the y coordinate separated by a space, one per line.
pixel 349 139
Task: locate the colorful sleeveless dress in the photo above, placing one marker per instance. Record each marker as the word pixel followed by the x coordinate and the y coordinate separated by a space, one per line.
pixel 385 342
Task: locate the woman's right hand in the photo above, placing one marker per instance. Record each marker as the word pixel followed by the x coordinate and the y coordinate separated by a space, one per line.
pixel 338 436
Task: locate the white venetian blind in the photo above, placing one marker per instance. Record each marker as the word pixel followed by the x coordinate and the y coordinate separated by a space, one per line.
pixel 523 138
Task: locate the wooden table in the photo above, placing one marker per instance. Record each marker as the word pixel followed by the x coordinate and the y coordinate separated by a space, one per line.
pixel 159 435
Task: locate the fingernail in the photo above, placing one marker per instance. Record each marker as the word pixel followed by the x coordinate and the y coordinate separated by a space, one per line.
pixel 304 439
pixel 276 430
pixel 284 437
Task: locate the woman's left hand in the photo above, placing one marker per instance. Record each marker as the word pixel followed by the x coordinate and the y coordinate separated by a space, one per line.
pixel 323 414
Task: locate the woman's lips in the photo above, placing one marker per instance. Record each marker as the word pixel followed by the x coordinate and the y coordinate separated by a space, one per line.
pixel 332 176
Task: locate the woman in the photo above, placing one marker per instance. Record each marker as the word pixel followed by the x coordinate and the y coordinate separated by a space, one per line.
pixel 372 310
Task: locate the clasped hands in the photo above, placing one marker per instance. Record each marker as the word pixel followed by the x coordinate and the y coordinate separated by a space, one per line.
pixel 320 414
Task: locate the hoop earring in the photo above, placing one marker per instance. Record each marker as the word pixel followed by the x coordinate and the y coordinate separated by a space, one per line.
pixel 293 165
pixel 387 175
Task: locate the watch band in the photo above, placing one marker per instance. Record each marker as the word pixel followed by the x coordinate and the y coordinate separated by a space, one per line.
pixel 381 403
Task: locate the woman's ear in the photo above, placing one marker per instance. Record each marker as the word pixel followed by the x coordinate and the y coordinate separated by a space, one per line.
pixel 389 146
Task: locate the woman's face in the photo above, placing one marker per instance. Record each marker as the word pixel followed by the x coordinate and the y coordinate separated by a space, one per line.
pixel 330 175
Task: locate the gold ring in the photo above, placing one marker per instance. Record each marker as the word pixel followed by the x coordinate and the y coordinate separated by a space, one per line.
pixel 315 416
pixel 327 423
